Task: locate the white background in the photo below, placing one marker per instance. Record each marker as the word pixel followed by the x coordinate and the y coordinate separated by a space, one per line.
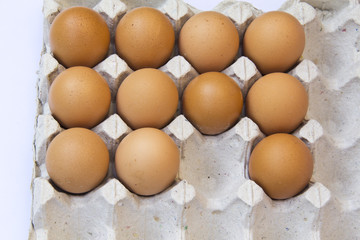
pixel 20 46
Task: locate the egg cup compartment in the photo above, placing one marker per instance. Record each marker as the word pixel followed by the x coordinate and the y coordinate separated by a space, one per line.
pixel 213 197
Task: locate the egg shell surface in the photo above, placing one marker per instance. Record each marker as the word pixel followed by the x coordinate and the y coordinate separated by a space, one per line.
pixel 282 165
pixel 277 103
pixel 147 98
pixel 79 97
pixel 77 160
pixel 212 102
pixel 147 161
pixel 79 36
pixel 274 42
pixel 144 38
pixel 209 41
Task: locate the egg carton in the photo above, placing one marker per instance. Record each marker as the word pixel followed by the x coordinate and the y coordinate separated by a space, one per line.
pixel 212 196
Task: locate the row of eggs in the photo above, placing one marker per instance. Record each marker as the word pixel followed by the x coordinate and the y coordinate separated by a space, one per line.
pixel 147 160
pixel 145 38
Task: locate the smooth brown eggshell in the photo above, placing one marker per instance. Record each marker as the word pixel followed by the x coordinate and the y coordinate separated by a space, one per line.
pixel 147 161
pixel 79 97
pixel 277 103
pixel 147 98
pixel 79 36
pixel 77 160
pixel 144 38
pixel 209 41
pixel 212 102
pixel 282 165
pixel 274 42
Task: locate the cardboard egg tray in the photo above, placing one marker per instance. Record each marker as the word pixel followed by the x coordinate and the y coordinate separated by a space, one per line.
pixel 213 197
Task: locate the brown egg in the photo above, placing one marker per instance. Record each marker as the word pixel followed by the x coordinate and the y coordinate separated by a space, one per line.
pixel 147 98
pixel 274 42
pixel 147 161
pixel 212 102
pixel 77 160
pixel 79 36
pixel 282 165
pixel 277 103
pixel 144 38
pixel 209 41
pixel 79 97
